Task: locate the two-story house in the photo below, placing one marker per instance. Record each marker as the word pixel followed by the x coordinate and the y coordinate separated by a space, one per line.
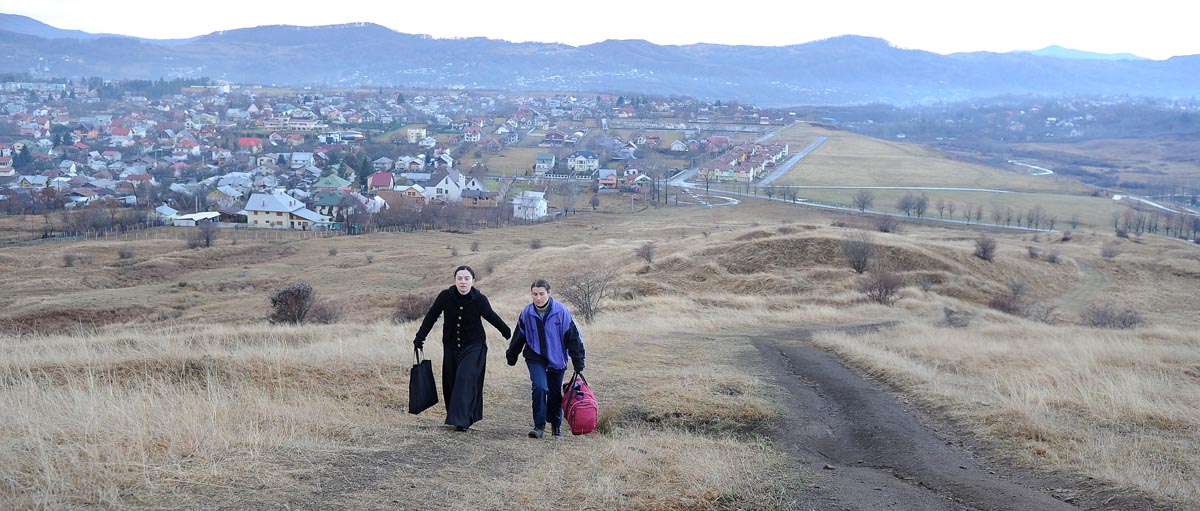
pixel 277 210
pixel 583 162
pixel 448 186
pixel 530 205
pixel 543 163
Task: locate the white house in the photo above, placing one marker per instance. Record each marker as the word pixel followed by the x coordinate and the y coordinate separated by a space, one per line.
pixel 278 210
pixel 448 185
pixel 530 205
pixel 583 161
pixel 194 219
pixel 544 163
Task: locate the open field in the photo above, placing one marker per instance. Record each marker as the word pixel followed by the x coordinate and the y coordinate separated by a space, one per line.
pixel 1140 160
pixel 1092 212
pixel 848 159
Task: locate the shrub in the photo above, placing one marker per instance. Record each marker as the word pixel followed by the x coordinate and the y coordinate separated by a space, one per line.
pixel 453 251
pixel 291 303
pixel 881 285
pixel 535 244
pixel 1107 315
pixel 332 251
pixel 585 290
pixel 370 259
pixel 926 284
pixel 887 224
pixel 857 248
pixel 204 236
pixel 1047 314
pixel 412 306
pixel 1122 233
pixel 1052 256
pixel 1033 252
pixel 1011 302
pixel 646 251
pixel 125 253
pixel 326 312
pixel 1066 236
pixel 1110 250
pixel 474 246
pixel 985 248
pixel 70 259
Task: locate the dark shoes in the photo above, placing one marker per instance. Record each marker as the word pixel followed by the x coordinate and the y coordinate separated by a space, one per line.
pixel 556 432
pixel 462 428
pixel 537 432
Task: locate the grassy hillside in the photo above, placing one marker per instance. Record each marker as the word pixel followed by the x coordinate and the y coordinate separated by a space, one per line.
pixel 139 372
pixel 156 378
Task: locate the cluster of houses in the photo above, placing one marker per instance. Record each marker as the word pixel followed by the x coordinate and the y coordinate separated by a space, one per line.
pixel 134 150
pixel 744 163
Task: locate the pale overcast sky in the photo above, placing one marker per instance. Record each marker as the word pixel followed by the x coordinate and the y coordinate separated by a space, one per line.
pixel 1150 28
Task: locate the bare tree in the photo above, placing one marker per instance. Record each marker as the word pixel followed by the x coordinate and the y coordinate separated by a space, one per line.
pixel 568 191
pixel 921 205
pixel 941 208
pixel 291 303
pixel 204 235
pixel 985 248
pixel 863 199
pixel 585 290
pixel 907 204
pixel 882 285
pixel 857 248
pixel 646 251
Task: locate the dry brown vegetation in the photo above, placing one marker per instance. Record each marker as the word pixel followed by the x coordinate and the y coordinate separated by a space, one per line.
pixel 154 380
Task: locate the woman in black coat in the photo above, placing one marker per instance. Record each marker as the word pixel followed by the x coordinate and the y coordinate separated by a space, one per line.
pixel 464 346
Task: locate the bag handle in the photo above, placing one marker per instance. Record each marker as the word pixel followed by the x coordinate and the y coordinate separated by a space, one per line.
pixel 570 391
pixel 418 354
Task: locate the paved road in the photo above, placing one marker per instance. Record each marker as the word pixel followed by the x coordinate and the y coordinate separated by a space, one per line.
pixel 782 169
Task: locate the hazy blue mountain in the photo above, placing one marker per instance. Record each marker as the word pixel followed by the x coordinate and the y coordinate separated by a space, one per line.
pixel 840 70
pixel 1068 53
pixel 29 26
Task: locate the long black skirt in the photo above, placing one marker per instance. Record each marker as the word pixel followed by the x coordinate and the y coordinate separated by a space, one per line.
pixel 462 382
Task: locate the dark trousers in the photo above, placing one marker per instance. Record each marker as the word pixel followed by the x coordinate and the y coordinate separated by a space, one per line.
pixel 547 394
pixel 462 382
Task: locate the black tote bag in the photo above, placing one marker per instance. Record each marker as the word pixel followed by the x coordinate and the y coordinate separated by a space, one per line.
pixel 422 392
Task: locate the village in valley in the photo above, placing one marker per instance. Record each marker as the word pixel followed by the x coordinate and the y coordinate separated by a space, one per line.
pixel 353 160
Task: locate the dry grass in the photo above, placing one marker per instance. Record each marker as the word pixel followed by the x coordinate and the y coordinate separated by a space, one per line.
pixel 1121 407
pixel 1092 212
pixel 181 392
pixel 856 160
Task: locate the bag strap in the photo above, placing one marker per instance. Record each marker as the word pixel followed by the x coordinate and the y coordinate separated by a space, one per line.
pixel 418 353
pixel 570 392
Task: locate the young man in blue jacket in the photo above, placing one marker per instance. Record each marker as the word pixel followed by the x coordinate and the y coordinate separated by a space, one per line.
pixel 546 334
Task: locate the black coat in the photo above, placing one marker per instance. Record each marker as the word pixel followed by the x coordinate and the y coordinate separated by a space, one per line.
pixel 464 350
pixel 463 321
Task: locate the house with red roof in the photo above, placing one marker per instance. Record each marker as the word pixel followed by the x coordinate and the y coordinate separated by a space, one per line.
pixel 381 181
pixel 252 144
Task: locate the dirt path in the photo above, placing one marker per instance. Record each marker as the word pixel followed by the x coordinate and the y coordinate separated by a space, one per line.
pixel 1076 298
pixel 859 447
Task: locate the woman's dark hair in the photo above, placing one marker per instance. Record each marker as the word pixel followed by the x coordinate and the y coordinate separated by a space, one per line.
pixel 465 267
pixel 540 283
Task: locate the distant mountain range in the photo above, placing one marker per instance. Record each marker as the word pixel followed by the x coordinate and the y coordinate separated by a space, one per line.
pixel 841 70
